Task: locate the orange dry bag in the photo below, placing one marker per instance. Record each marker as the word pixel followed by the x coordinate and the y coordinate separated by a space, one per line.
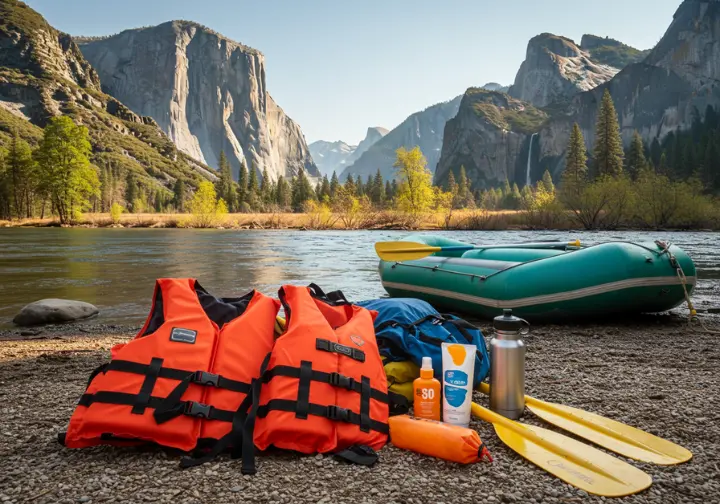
pixel 437 439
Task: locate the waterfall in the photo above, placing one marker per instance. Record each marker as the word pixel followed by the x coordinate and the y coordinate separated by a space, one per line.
pixel 528 182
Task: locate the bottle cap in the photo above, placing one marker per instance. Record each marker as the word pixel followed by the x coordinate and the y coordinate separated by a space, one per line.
pixel 509 322
pixel 427 363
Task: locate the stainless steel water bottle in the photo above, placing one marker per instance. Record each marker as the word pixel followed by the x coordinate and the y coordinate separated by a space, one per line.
pixel 507 365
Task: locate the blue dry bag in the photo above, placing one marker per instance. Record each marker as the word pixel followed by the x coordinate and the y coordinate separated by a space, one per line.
pixel 410 329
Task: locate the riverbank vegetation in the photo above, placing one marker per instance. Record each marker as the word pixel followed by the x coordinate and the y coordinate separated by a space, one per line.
pixel 668 185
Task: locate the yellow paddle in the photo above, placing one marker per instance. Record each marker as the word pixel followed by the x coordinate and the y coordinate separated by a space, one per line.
pixel 409 251
pixel 615 436
pixel 573 462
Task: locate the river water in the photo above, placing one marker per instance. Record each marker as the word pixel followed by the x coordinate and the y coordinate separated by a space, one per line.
pixel 115 269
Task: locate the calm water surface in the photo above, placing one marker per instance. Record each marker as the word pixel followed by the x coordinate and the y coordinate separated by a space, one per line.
pixel 115 269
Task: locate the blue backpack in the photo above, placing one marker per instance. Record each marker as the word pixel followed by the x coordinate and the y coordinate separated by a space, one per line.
pixel 410 329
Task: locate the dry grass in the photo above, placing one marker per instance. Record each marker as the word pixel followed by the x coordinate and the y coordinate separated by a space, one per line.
pixel 387 219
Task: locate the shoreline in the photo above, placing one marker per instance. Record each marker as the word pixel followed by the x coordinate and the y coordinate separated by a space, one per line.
pixel 481 220
pixel 642 359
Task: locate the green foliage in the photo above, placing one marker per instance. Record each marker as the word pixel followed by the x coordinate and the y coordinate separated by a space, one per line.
pixel 377 192
pixel 225 186
pixel 547 182
pixel 523 119
pixel 116 211
pixel 206 209
pixel 302 191
pixel 608 153
pixel 17 15
pixel 64 167
pixel 415 192
pixel 283 193
pixel 22 177
pixel 10 124
pixel 635 159
pixel 334 184
pixel 618 56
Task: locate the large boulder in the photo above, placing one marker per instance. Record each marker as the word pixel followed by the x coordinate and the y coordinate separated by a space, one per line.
pixel 54 311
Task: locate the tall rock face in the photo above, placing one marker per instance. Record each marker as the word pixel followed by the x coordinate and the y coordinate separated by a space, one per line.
pixel 556 69
pixel 208 93
pixel 490 137
pixel 43 74
pixel 674 85
pixel 422 129
pixel 336 156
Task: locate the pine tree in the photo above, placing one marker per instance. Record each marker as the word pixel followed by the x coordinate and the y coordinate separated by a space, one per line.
pixel 224 186
pixel 242 186
pixel 131 192
pixel 636 161
pixel 608 152
pixel 324 194
pixel 464 192
pixel 663 168
pixel 302 191
pixel 265 188
pixel 253 186
pixel 367 188
pixel 159 201
pixel 283 193
pixel 377 194
pixel 547 182
pixel 104 189
pixel 451 185
pixel 179 195
pixel 394 188
pixel 388 191
pixel 711 166
pixel 350 185
pixel 575 175
pixel 334 184
pixel 688 160
pixel 655 152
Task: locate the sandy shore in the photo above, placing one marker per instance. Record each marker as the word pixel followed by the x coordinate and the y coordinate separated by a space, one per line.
pixel 653 373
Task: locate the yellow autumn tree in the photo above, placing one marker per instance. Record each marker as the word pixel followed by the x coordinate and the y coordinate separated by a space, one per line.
pixel 415 192
pixel 206 209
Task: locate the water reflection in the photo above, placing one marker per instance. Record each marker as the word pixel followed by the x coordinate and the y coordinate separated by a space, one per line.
pixel 115 268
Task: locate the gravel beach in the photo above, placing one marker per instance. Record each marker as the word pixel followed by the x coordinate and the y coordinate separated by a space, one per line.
pixel 653 373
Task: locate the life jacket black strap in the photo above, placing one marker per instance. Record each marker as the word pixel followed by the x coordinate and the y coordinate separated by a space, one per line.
pixel 190 408
pixel 358 454
pixel 331 346
pixel 141 402
pixel 332 412
pixel 334 379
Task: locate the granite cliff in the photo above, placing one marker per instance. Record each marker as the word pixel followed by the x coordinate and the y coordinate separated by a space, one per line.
pixel 674 84
pixel 423 129
pixel 44 74
pixel 208 93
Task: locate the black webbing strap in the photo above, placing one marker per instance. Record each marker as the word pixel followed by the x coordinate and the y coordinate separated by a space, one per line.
pixel 303 397
pixel 335 379
pixel 100 369
pixel 148 385
pixel 170 404
pixel 248 443
pixel 190 408
pixel 399 404
pixel 331 346
pixel 332 412
pixel 358 454
pixel 365 404
pixel 232 438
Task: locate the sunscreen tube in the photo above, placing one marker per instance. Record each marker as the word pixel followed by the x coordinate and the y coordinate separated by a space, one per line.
pixel 458 371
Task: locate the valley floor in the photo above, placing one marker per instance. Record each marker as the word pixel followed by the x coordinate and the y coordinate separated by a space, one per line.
pixel 471 220
pixel 654 373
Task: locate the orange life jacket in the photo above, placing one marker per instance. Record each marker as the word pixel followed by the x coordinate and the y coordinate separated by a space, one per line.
pixel 182 379
pixel 323 387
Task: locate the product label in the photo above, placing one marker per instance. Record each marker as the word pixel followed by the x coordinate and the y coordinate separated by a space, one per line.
pixel 455 396
pixel 456 377
pixel 183 335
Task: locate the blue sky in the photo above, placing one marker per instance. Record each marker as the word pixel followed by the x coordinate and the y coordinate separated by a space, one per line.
pixel 339 66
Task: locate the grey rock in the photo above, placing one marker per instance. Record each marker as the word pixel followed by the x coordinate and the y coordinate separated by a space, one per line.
pixel 53 311
pixel 207 92
pixel 336 156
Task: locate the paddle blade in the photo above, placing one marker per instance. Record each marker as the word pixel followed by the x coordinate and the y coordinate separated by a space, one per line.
pixel 591 470
pixel 615 436
pixel 403 250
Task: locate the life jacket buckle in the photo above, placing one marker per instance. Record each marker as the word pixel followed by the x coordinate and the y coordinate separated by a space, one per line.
pixel 338 380
pixel 205 378
pixel 337 413
pixel 197 409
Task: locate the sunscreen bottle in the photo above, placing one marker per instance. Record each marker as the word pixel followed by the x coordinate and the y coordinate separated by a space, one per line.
pixel 426 393
pixel 458 372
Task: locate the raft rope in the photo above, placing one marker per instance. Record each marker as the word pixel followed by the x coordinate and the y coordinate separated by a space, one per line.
pixel 693 316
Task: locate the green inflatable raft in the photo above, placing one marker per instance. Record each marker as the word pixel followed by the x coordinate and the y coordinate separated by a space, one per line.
pixel 543 283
